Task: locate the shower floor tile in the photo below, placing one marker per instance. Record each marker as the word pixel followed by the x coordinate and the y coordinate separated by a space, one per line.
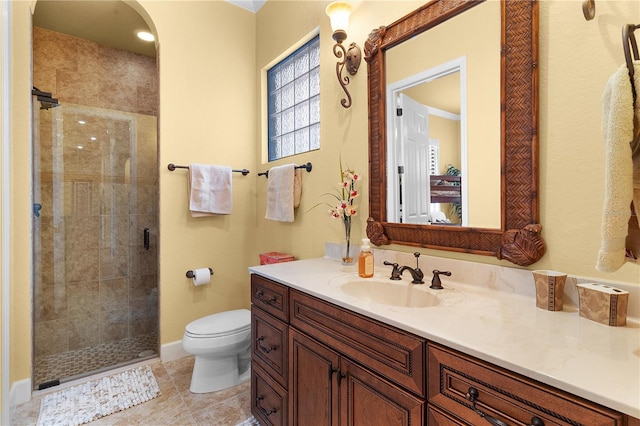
pixel 73 364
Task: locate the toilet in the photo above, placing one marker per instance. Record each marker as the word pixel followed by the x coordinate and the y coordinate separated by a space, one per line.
pixel 221 344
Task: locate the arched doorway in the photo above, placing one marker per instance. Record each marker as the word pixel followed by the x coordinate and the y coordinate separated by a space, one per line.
pixel 95 192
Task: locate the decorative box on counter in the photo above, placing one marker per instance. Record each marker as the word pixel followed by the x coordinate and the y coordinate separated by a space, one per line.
pixel 275 257
pixel 603 304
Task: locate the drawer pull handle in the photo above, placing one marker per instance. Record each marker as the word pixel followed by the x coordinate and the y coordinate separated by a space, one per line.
pixel 265 349
pixel 264 410
pixel 535 421
pixel 268 301
pixel 472 395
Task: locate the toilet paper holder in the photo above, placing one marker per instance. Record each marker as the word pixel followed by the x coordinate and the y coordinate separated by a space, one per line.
pixel 190 273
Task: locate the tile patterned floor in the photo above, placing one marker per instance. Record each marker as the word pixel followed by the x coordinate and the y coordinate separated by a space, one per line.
pixel 175 406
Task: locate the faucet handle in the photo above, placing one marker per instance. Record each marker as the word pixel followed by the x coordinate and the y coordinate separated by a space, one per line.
pixel 435 282
pixel 395 273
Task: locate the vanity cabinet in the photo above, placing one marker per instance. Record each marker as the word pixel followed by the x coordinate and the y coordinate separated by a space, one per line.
pixel 463 390
pixel 316 363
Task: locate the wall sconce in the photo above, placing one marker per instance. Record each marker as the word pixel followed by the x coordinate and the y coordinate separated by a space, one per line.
pixel 338 13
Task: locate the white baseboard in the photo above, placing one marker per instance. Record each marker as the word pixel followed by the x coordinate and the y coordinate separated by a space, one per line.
pixel 20 392
pixel 172 351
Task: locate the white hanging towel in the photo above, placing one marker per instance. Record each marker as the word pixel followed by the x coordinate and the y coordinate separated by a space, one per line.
pixel 280 190
pixel 209 190
pixel 618 128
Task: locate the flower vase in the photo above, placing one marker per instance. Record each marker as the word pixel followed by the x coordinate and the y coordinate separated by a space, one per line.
pixel 347 259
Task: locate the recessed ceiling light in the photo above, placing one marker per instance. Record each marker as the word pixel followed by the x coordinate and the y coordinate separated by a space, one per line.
pixel 82 122
pixel 93 138
pixel 143 35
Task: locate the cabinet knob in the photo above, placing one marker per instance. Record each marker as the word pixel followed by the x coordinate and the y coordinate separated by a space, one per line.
pixel 535 421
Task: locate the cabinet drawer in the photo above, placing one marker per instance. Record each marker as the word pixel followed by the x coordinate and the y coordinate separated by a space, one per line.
pixel 394 354
pixel 269 344
pixel 270 296
pixel 268 399
pixel 503 395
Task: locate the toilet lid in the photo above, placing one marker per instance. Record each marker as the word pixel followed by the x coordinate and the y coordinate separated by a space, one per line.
pixel 222 323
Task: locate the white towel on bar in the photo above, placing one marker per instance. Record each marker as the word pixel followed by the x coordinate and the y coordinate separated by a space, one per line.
pixel 280 193
pixel 618 115
pixel 209 190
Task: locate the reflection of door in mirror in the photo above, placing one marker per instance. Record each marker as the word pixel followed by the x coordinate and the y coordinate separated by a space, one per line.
pixel 455 69
pixel 426 140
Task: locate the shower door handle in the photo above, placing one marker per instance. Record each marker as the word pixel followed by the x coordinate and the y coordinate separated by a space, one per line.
pixel 145 238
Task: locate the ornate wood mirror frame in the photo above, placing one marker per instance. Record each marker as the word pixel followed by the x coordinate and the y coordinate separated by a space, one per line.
pixel 518 240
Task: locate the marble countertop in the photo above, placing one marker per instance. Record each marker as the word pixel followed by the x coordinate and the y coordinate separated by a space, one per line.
pixel 561 349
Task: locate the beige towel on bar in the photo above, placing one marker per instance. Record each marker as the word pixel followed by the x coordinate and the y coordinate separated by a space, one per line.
pixel 618 129
pixel 297 187
pixel 280 193
pixel 209 190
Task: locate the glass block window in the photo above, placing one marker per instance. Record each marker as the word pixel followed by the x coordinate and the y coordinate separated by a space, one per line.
pixel 293 87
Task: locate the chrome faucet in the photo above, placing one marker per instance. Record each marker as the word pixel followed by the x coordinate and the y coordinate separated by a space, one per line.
pixel 416 273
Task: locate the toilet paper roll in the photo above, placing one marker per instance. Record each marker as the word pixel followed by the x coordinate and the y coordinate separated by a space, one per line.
pixel 201 276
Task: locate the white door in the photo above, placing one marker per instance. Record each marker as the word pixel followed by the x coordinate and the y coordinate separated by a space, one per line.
pixel 414 159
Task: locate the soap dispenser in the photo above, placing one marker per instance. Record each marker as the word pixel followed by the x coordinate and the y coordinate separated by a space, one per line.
pixel 365 260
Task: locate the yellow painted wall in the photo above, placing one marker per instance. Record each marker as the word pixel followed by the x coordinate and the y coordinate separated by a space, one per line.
pixel 20 315
pixel 576 59
pixel 211 56
pixel 207 90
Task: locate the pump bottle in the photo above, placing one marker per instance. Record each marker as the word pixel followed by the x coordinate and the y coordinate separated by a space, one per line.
pixel 365 260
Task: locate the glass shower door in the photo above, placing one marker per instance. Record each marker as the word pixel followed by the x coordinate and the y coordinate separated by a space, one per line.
pixel 95 291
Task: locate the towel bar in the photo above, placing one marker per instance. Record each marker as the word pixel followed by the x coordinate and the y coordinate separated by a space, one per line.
pixel 307 166
pixel 172 167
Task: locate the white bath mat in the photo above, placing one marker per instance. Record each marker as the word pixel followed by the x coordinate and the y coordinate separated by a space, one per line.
pixel 98 398
pixel 251 421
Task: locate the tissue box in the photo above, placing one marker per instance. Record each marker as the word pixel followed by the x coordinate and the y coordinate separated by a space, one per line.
pixel 275 257
pixel 603 304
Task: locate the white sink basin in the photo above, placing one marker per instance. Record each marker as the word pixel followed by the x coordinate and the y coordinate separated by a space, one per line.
pixel 403 294
pixel 386 293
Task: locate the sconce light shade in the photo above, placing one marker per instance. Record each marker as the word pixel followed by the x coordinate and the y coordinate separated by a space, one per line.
pixel 339 12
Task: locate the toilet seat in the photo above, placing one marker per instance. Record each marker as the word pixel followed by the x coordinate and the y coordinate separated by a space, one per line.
pixel 220 324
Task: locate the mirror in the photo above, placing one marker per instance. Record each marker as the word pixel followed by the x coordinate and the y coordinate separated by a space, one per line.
pixel 510 176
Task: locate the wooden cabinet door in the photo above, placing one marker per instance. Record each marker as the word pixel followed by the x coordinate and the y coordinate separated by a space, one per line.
pixel 368 400
pixel 313 382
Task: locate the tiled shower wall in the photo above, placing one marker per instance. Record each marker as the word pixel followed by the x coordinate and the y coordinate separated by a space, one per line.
pixel 104 289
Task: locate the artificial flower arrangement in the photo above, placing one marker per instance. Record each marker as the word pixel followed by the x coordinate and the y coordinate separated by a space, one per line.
pixel 346 207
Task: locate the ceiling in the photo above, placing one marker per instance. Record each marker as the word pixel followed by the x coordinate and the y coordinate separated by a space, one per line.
pixel 107 22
